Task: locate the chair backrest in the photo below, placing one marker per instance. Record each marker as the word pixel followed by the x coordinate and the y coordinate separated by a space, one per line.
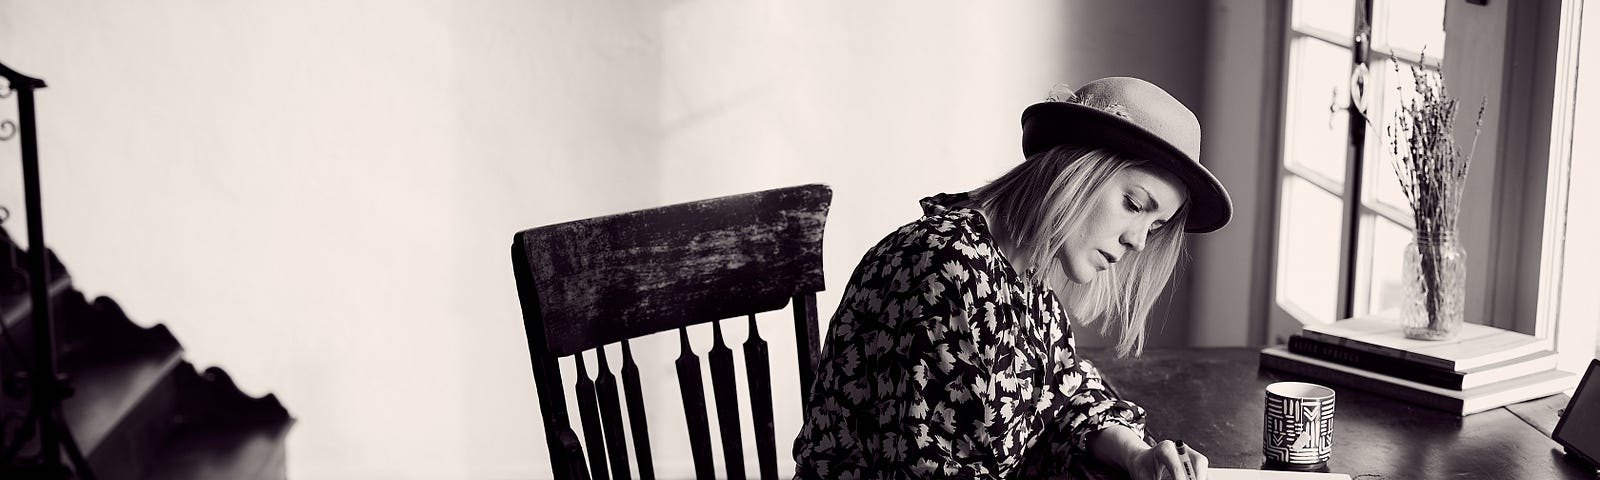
pixel 590 283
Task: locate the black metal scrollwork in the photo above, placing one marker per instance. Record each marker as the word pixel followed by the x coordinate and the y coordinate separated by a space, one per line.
pixel 7 129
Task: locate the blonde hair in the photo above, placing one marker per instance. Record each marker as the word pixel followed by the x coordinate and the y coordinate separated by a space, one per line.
pixel 1036 205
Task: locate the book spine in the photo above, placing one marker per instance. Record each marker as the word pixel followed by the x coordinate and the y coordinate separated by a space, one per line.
pixel 1380 350
pixel 1372 385
pixel 1384 364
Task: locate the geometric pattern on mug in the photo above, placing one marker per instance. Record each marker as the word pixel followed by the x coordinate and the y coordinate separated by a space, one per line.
pixel 1298 431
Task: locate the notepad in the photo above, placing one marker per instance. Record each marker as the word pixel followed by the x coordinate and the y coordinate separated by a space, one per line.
pixel 1246 474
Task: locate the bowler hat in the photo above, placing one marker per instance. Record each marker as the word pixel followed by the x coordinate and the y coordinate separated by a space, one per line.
pixel 1136 118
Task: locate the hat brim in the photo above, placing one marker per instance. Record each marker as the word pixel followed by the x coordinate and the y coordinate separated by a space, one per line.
pixel 1048 124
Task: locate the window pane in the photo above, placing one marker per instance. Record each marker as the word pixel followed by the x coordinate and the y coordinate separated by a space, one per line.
pixel 1398 88
pixel 1334 16
pixel 1308 249
pixel 1318 125
pixel 1387 189
pixel 1414 25
pixel 1389 242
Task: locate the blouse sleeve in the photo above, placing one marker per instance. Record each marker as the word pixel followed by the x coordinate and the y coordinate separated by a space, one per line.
pixel 1093 407
pixel 1088 409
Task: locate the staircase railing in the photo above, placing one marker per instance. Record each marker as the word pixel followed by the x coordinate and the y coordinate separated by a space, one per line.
pixel 49 389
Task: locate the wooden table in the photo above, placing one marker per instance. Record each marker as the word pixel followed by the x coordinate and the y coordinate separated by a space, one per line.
pixel 1212 399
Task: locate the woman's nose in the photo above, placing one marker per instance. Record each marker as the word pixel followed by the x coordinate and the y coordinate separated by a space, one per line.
pixel 1134 238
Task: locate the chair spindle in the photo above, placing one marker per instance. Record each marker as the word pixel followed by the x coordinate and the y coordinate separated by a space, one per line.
pixel 572 456
pixel 611 418
pixel 759 373
pixel 641 429
pixel 805 327
pixel 727 397
pixel 589 413
pixel 694 408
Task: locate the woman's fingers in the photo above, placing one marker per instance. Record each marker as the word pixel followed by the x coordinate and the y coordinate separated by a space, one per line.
pixel 1163 461
pixel 1200 463
pixel 1169 458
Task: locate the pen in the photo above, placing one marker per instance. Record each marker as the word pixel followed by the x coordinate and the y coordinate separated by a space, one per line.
pixel 1183 456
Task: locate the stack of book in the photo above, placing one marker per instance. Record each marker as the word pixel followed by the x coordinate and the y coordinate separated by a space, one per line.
pixel 1481 369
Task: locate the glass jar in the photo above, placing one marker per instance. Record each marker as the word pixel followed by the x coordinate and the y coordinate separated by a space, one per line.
pixel 1435 272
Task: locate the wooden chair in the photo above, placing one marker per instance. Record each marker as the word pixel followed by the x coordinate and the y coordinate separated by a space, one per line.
pixel 589 283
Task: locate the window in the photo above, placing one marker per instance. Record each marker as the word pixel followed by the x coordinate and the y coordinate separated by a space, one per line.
pixel 1343 221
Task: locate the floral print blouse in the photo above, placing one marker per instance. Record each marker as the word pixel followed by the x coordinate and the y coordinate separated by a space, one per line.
pixel 943 361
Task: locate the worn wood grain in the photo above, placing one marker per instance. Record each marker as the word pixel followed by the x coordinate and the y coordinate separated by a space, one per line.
pixel 601 280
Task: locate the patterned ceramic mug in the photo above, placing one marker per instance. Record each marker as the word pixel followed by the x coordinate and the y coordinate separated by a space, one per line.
pixel 1298 429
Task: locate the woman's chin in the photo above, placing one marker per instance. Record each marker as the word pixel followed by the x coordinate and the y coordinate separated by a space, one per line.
pixel 1081 278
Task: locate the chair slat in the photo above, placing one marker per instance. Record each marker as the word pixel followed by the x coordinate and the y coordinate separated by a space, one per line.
pixel 694 408
pixel 611 419
pixel 589 414
pixel 641 429
pixel 727 396
pixel 806 341
pixel 759 373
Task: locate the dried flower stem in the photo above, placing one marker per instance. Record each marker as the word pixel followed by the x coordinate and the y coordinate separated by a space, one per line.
pixel 1431 170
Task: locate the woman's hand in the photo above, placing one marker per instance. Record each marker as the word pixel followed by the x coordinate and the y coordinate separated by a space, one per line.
pixel 1120 446
pixel 1163 462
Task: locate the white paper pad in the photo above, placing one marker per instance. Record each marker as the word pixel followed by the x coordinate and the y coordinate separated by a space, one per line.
pixel 1245 474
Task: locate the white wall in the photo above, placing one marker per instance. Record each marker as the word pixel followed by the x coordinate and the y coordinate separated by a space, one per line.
pixel 1227 297
pixel 319 196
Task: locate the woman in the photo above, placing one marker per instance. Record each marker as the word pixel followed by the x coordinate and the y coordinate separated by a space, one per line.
pixel 951 354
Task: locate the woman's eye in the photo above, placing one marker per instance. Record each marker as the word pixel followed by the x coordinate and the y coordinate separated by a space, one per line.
pixel 1132 207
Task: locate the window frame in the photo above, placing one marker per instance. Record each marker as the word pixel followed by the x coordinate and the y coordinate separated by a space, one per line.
pixel 1514 293
pixel 1568 310
pixel 1283 169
